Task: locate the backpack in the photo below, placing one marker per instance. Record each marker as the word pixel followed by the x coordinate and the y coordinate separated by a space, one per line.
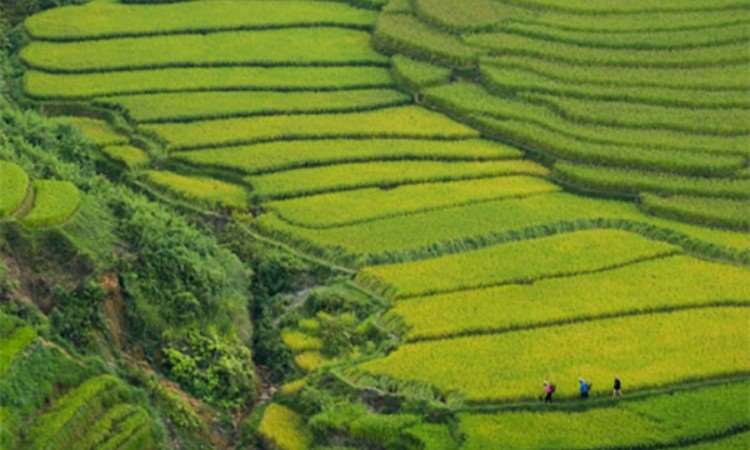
pixel 552 388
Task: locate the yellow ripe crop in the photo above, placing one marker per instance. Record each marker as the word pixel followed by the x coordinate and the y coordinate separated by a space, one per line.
pixel 336 209
pixel 284 428
pixel 671 282
pixel 208 190
pixel 645 350
pixel 564 254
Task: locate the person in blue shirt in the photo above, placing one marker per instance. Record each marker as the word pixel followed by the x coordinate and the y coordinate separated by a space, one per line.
pixel 585 387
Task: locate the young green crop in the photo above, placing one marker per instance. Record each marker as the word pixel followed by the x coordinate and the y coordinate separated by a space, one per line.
pixel 55 202
pixel 739 441
pixel 100 20
pixel 416 75
pixel 550 142
pixel 107 425
pixel 659 420
pixel 404 33
pixel 65 86
pixel 638 40
pixel 730 214
pixel 464 99
pixel 641 22
pixel 432 436
pixel 710 78
pixel 504 80
pixel 346 208
pixel 550 257
pixel 74 412
pixel 14 186
pixel 628 182
pixel 720 122
pixel 594 9
pixel 435 233
pixel 185 107
pixel 402 122
pixel 502 43
pixel 285 155
pixel 673 282
pixel 467 16
pixel 645 350
pixel 388 174
pixel 208 190
pixel 288 47
pixel 284 428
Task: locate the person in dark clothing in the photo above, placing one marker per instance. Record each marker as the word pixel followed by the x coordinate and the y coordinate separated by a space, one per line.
pixel 549 389
pixel 617 388
pixel 584 387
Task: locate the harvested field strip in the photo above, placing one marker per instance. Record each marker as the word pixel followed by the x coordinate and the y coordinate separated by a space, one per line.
pixel 565 254
pixel 284 429
pixel 510 44
pixel 301 47
pixel 207 190
pixel 730 78
pixel 54 203
pixel 14 187
pixel 646 350
pixel 507 80
pixel 462 99
pixel 674 282
pixel 403 122
pixel 96 130
pixel 282 155
pixel 451 230
pixel 308 181
pixel 50 86
pixel 638 40
pixel 550 143
pixel 350 207
pixel 186 107
pixel 630 183
pixel 631 7
pixel 108 20
pixel 658 421
pixel 700 210
pixel 640 22
pixel 13 344
pixel 719 122
pixel 406 34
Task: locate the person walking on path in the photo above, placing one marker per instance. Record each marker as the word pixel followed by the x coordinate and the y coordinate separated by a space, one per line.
pixel 584 387
pixel 617 388
pixel 549 389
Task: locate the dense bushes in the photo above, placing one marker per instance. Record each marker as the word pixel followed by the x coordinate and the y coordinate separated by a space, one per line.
pixel 76 314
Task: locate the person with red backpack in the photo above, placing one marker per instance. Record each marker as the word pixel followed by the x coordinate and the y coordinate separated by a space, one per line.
pixel 549 389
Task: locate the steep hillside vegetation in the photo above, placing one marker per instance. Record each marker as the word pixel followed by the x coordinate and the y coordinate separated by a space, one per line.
pixel 428 208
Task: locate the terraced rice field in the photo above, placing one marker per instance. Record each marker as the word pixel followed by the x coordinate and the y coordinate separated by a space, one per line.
pixel 37 203
pixel 540 189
